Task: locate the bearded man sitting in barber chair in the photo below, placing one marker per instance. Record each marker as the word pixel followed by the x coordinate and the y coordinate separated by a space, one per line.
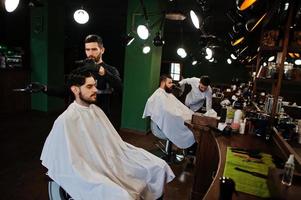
pixel 85 155
pixel 167 115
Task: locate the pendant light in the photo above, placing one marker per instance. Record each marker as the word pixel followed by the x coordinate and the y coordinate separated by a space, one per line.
pixel 11 5
pixel 81 16
pixel 244 4
pixel 195 20
pixel 143 32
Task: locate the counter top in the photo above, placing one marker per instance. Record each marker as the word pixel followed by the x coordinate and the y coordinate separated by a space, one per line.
pixel 212 149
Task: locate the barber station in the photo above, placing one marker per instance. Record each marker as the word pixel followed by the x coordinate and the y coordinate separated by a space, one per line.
pixel 150 99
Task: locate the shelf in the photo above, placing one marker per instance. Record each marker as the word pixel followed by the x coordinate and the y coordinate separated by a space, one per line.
pixel 286 82
pixel 287 149
pixel 266 49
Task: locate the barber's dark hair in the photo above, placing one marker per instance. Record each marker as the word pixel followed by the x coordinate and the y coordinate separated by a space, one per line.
pixel 163 77
pixel 94 38
pixel 78 76
pixel 205 80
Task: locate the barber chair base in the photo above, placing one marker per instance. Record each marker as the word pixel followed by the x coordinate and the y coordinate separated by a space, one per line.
pixel 166 153
pixel 173 159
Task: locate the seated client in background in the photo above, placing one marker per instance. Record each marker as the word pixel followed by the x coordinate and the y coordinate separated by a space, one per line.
pixel 169 114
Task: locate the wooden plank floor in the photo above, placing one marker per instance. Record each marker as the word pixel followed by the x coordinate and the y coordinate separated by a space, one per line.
pixel 22 176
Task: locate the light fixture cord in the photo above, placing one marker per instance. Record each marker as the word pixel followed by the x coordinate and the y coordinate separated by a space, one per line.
pixel 144 10
pixel 161 24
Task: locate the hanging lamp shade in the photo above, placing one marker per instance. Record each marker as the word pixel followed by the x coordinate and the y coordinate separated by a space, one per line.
pixel 181 52
pixel 142 32
pixel 81 16
pixel 298 62
pixel 129 39
pixel 244 4
pixel 253 23
pixel 11 5
pixel 158 41
pixel 237 41
pixel 195 20
pixel 146 49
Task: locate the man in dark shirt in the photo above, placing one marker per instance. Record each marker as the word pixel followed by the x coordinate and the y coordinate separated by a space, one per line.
pixel 107 77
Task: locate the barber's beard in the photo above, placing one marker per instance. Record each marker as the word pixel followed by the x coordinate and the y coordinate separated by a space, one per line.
pixel 168 90
pixel 87 100
pixel 96 59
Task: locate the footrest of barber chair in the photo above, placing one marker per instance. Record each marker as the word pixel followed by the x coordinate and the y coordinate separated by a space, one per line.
pixel 174 158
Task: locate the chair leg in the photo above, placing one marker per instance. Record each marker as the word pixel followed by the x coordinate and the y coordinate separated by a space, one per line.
pixel 168 147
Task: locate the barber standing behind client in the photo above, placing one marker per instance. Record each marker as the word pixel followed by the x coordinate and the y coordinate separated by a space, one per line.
pixel 107 77
pixel 200 92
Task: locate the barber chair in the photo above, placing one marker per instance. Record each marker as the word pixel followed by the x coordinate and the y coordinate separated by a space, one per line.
pixel 56 192
pixel 168 155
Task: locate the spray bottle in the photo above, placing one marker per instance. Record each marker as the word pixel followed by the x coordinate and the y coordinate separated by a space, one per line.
pixel 288 174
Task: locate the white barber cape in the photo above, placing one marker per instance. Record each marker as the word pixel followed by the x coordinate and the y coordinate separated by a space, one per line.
pixel 169 114
pixel 85 155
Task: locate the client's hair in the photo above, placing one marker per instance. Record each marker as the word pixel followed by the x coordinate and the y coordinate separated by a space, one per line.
pixel 205 80
pixel 163 77
pixel 78 76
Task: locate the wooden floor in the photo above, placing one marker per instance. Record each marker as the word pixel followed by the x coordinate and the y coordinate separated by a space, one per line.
pixel 22 176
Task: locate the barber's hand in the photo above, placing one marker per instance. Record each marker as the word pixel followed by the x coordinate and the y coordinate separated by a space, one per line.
pixel 177 86
pixel 102 71
pixel 92 67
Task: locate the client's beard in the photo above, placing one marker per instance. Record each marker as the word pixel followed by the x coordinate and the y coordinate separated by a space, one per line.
pixel 168 90
pixel 84 99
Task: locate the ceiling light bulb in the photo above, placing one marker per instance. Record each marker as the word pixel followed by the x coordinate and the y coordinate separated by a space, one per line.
pixel 81 16
pixel 229 61
pixel 146 49
pixel 194 62
pixel 286 6
pixel 142 32
pixel 181 52
pixel 298 62
pixel 236 42
pixel 253 23
pixel 11 5
pixel 209 53
pixel 233 56
pixel 271 58
pixel 130 41
pixel 245 4
pixel 211 60
pixel 264 64
pixel 194 19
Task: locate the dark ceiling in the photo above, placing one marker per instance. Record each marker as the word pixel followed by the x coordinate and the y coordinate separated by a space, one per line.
pixel 218 17
pixel 108 18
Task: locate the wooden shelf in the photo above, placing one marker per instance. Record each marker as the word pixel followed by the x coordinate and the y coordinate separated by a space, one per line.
pixel 266 49
pixel 286 148
pixel 280 191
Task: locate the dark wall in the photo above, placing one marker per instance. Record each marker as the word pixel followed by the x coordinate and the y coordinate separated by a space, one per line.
pixel 219 71
pixel 107 19
pixel 14 29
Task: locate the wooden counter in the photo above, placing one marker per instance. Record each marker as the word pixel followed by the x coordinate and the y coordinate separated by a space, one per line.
pixel 211 157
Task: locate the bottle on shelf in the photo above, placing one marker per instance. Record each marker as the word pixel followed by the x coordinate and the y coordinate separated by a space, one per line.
pixel 288 174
